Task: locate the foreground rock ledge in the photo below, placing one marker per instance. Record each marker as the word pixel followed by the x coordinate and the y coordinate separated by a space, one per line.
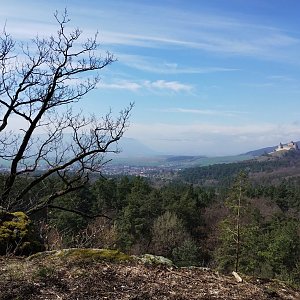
pixel 107 274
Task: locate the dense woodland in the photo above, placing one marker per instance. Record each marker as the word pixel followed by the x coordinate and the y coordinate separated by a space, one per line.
pixel 238 224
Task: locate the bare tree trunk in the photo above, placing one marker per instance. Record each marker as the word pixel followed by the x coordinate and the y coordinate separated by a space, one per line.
pixel 238 234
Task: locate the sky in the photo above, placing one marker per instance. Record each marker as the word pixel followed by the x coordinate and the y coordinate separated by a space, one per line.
pixel 218 77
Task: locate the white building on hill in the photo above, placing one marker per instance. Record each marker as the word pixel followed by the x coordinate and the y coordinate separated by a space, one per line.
pixel 287 147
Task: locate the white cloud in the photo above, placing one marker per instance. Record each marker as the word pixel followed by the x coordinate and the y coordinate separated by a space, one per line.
pixel 173 86
pixel 158 85
pixel 121 85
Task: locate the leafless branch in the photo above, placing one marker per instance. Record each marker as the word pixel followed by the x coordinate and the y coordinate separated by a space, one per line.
pixel 39 81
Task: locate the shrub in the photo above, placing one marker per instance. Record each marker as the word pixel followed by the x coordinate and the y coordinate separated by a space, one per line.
pixel 18 235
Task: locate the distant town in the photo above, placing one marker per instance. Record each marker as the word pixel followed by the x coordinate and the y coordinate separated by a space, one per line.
pixel 142 171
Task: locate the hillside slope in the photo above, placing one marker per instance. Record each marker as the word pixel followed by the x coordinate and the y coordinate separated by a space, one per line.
pixel 74 277
pixel 282 165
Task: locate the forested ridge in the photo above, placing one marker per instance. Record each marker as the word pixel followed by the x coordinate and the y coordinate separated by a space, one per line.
pixel 267 166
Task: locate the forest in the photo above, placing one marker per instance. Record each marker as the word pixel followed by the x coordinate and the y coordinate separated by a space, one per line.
pixel 240 225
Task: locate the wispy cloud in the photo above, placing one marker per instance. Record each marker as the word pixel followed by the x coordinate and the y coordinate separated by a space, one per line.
pixel 276 81
pixel 282 78
pixel 207 112
pixel 158 85
pixel 157 65
pixel 173 86
pixel 121 85
pixel 167 29
pixel 259 42
pixel 260 84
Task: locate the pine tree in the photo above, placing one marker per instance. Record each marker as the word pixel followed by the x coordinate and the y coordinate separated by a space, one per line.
pixel 229 253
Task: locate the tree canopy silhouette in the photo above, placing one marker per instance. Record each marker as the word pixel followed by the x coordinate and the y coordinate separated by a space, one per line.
pixel 39 82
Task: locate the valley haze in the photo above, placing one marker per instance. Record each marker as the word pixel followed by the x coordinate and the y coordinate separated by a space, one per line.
pixel 132 148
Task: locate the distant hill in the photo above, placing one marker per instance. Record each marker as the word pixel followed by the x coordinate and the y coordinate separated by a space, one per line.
pixel 261 151
pixel 130 147
pixel 268 168
pixel 265 150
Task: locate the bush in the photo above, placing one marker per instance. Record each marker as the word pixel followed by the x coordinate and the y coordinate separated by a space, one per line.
pixel 18 235
pixel 186 254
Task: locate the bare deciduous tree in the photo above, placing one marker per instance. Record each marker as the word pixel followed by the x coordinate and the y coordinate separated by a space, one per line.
pixel 39 81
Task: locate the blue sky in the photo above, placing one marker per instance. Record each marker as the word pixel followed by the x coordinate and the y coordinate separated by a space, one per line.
pixel 207 77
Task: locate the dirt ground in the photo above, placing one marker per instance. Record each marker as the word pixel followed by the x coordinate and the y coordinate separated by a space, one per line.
pixel 55 278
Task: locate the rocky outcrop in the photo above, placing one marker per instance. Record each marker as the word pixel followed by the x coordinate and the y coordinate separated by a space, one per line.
pixel 105 274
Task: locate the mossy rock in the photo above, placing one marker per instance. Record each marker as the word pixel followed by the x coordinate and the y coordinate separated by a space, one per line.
pixel 18 235
pixel 154 260
pixel 86 254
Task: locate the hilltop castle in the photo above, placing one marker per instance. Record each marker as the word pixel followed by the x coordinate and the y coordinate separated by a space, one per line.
pixel 286 147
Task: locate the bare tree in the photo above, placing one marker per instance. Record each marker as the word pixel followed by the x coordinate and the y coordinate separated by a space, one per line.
pixel 39 81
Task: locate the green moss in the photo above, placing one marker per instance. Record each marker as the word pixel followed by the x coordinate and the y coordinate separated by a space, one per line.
pixel 16 225
pixel 44 272
pixel 17 234
pixel 94 254
pixel 80 254
pixel 42 255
